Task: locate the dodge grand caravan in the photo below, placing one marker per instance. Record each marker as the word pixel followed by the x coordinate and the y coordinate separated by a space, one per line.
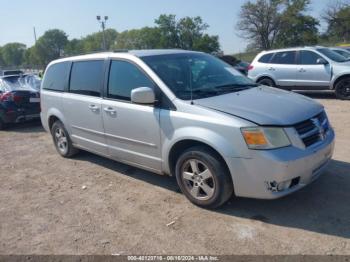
pixel 190 115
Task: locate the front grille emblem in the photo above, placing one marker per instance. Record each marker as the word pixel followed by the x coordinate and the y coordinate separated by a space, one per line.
pixel 320 128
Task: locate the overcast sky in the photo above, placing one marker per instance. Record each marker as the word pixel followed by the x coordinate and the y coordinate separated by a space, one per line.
pixel 78 17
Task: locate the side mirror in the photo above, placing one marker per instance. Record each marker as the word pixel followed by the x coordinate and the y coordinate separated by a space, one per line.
pixel 321 61
pixel 143 95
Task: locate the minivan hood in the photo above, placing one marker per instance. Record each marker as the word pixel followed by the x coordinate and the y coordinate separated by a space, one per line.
pixel 264 106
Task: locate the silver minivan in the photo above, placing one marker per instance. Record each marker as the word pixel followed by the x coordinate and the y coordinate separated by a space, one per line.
pixel 303 68
pixel 190 115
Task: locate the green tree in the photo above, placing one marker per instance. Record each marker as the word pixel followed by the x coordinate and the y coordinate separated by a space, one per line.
pixel 74 47
pixel 13 54
pixel 297 28
pixel 144 38
pixel 2 63
pixel 168 28
pixel 94 42
pixel 260 21
pixel 207 43
pixel 31 57
pixel 187 33
pixel 50 46
pixel 337 17
pixel 190 31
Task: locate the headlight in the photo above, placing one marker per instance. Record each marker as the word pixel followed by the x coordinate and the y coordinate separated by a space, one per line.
pixel 265 137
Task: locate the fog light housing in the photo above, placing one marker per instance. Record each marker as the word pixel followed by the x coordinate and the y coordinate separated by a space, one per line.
pixel 284 185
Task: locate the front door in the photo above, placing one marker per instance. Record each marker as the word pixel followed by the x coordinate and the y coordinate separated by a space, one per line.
pixel 132 130
pixel 310 74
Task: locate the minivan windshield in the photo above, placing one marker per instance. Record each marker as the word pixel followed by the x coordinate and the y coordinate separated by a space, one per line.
pixel 197 75
pixel 332 55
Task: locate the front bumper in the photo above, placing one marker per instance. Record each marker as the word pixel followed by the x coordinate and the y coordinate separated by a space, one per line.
pixel 251 176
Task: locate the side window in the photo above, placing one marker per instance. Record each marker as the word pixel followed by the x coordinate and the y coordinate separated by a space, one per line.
pixel 55 77
pixel 308 58
pixel 124 77
pixel 284 58
pixel 86 77
pixel 265 58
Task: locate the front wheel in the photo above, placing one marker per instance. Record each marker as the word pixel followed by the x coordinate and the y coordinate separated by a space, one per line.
pixel 267 82
pixel 203 178
pixel 342 89
pixel 62 140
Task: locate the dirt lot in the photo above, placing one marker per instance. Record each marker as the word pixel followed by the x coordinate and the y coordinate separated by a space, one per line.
pixel 45 210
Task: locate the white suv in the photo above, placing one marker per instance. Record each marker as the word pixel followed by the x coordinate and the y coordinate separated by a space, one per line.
pixel 304 68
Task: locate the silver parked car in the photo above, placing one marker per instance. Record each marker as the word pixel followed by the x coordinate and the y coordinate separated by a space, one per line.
pixel 305 68
pixel 187 114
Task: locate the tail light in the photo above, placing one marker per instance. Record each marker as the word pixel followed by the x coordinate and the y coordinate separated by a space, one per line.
pixel 8 96
pixel 250 67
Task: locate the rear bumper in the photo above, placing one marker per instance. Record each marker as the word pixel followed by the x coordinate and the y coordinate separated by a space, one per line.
pixel 253 176
pixel 9 116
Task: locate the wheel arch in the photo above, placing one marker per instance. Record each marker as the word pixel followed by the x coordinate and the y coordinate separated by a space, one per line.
pixel 54 115
pixel 266 76
pixel 339 78
pixel 181 145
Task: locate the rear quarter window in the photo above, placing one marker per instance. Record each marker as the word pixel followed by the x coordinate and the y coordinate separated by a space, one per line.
pixel 55 77
pixel 265 58
pixel 284 58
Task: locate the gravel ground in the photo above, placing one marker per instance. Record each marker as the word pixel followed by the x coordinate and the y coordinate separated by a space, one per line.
pixel 92 205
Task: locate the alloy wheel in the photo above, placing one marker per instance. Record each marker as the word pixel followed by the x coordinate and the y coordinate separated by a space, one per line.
pixel 61 140
pixel 198 179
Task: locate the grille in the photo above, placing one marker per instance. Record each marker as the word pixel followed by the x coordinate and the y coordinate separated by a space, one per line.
pixel 313 130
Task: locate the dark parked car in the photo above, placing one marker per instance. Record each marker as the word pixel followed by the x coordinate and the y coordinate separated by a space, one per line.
pixel 11 72
pixel 19 100
pixel 239 65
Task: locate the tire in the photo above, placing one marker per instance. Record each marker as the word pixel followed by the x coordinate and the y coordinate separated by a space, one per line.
pixel 266 82
pixel 62 140
pixel 203 178
pixel 342 89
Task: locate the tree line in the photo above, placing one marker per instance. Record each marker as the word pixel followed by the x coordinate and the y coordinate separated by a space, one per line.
pixel 268 24
pixel 185 33
pixel 265 24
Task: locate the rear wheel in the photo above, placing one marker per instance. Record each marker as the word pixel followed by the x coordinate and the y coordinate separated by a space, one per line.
pixel 62 140
pixel 203 178
pixel 342 89
pixel 266 82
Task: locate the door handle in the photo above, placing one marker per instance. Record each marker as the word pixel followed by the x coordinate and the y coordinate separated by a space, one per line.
pixel 94 108
pixel 302 70
pixel 110 110
pixel 272 69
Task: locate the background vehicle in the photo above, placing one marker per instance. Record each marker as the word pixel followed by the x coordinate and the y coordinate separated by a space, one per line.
pixel 237 64
pixel 341 51
pixel 190 115
pixel 19 101
pixel 306 68
pixel 11 72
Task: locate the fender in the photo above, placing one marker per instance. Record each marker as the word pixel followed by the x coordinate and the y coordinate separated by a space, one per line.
pixel 336 78
pixel 55 112
pixel 225 147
